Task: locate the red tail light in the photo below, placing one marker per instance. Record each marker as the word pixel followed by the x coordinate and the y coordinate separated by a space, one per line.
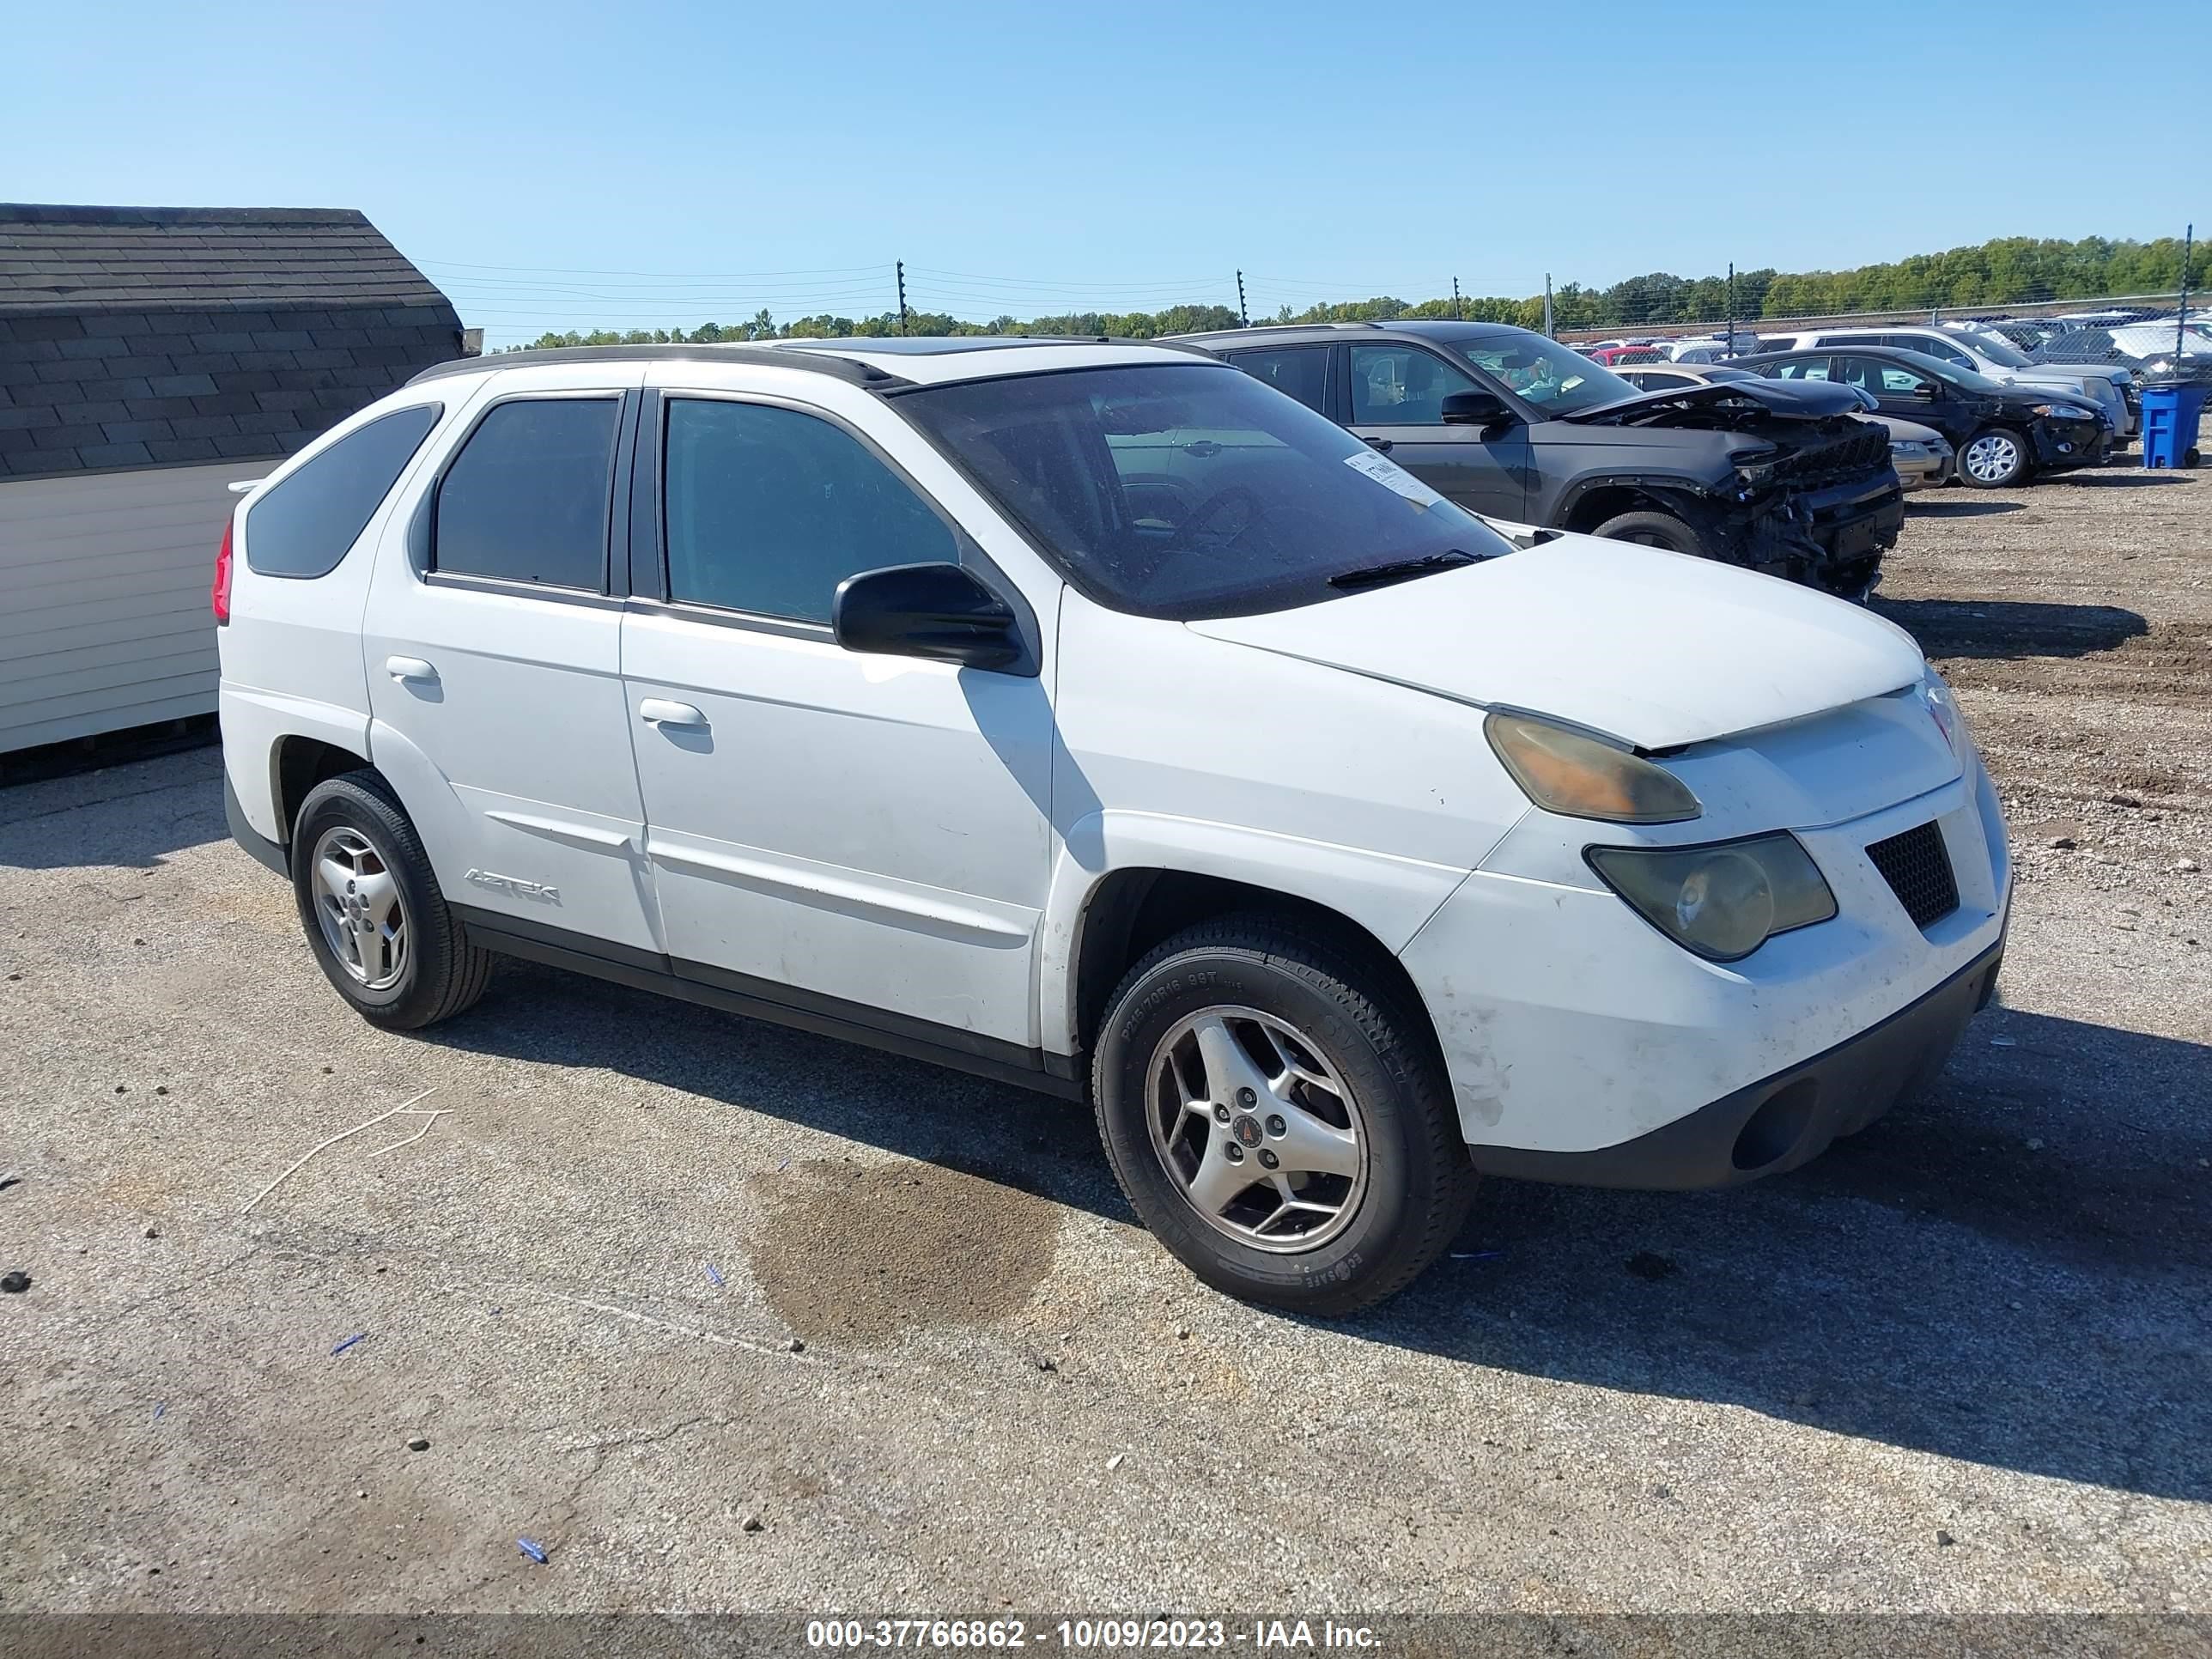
pixel 219 595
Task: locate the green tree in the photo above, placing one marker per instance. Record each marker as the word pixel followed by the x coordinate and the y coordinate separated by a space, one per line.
pixel 2010 269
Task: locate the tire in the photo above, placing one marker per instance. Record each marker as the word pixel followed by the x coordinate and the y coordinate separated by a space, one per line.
pixel 1994 443
pixel 1653 530
pixel 403 964
pixel 1402 1181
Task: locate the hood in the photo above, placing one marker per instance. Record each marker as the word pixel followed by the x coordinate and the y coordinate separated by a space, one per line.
pixel 1804 400
pixel 2077 378
pixel 1657 649
pixel 1902 431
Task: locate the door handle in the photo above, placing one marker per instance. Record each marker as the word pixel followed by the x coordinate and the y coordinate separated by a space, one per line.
pixel 409 668
pixel 1381 446
pixel 658 711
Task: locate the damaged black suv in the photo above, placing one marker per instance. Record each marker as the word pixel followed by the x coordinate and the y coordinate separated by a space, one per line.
pixel 1781 477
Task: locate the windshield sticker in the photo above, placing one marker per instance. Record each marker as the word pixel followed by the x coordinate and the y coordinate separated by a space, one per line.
pixel 1392 477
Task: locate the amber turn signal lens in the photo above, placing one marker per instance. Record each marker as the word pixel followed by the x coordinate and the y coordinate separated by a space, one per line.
pixel 1580 777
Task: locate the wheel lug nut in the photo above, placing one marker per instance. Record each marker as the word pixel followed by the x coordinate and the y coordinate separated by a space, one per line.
pixel 1277 1127
pixel 1221 1115
pixel 1245 1096
pixel 1268 1160
pixel 1233 1153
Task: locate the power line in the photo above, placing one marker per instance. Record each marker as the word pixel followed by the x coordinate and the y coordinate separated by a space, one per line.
pixel 971 277
pixel 706 276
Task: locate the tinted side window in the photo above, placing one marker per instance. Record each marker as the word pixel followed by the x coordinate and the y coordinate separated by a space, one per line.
pixel 1301 371
pixel 1883 379
pixel 305 525
pixel 1401 386
pixel 1799 368
pixel 768 509
pixel 525 500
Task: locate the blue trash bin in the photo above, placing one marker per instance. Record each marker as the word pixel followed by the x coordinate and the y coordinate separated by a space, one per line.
pixel 2170 414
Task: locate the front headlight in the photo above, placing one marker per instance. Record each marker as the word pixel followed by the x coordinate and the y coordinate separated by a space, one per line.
pixel 1722 901
pixel 1909 449
pixel 2064 412
pixel 1943 709
pixel 1580 777
pixel 1755 476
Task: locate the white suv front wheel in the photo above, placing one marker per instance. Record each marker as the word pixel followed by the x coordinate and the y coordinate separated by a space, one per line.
pixel 1278 1117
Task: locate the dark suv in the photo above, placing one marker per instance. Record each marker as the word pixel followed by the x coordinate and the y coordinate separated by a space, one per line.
pixel 1779 477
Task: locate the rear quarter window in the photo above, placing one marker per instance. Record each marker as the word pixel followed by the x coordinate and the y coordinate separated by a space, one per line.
pixel 1300 371
pixel 304 524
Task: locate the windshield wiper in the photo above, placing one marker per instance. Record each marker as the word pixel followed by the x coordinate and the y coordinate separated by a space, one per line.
pixel 1398 570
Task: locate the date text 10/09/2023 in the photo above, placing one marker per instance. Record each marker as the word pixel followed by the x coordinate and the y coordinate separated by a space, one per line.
pixel 1089 1635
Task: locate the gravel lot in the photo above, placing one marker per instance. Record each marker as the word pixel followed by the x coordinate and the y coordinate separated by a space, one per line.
pixel 1964 1363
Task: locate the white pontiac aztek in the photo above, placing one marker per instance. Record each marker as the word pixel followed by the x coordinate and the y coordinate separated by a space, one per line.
pixel 1095 717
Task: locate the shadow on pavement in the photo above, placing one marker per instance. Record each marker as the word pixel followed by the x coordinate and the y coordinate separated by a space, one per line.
pixel 1917 508
pixel 2011 628
pixel 2006 1273
pixel 2145 479
pixel 128 817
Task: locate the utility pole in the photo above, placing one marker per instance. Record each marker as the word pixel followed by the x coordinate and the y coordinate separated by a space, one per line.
pixel 1547 307
pixel 2181 311
pixel 1456 317
pixel 1243 318
pixel 1728 340
pixel 902 291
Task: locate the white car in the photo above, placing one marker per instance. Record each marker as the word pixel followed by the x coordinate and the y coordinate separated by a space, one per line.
pixel 2156 340
pixel 1097 717
pixel 1712 347
pixel 1985 353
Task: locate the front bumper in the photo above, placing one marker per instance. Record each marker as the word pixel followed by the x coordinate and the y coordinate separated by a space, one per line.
pixel 1854 521
pixel 1924 472
pixel 2059 445
pixel 1576 1036
pixel 1783 1121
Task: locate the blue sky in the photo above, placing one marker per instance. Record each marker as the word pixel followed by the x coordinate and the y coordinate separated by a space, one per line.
pixel 556 165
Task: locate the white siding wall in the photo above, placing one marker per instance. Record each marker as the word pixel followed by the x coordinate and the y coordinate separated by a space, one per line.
pixel 104 619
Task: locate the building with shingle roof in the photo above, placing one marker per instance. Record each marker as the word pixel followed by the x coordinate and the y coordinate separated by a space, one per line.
pixel 148 358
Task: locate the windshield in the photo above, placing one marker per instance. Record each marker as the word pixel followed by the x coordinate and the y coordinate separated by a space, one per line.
pixel 1966 379
pixel 1188 490
pixel 1995 347
pixel 1555 379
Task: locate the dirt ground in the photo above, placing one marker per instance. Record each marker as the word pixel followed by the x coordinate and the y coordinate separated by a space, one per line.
pixel 729 1317
pixel 2075 620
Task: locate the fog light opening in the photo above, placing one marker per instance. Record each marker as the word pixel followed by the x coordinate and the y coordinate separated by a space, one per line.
pixel 1775 1130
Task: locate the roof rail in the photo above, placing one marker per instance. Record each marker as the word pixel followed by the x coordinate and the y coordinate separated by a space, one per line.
pixel 819 363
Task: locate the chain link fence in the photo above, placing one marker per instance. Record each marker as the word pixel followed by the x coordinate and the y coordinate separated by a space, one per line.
pixel 2154 335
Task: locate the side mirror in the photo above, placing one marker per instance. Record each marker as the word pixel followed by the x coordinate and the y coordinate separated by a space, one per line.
pixel 939 612
pixel 1483 409
pixel 1927 391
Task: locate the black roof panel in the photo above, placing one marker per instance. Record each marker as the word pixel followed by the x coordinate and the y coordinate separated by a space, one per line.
pixel 171 336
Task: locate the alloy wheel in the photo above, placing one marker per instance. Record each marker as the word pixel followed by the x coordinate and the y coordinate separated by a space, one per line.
pixel 1990 457
pixel 357 903
pixel 1257 1130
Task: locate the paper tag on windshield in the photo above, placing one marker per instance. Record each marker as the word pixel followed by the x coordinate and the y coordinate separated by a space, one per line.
pixel 1392 477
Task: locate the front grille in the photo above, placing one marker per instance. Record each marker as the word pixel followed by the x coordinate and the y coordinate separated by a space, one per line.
pixel 1917 867
pixel 1863 449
